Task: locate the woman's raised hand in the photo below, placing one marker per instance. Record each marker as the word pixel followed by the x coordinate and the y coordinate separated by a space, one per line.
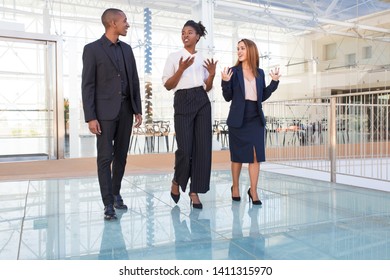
pixel 185 63
pixel 226 74
pixel 210 65
pixel 275 74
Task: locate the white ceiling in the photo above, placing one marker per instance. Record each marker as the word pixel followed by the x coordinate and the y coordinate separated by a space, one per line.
pixel 368 19
pixel 356 18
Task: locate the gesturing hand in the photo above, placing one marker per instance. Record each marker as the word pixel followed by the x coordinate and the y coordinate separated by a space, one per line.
pixel 210 65
pixel 275 75
pixel 184 64
pixel 226 74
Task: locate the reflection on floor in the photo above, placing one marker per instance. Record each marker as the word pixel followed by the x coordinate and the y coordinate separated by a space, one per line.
pixel 299 219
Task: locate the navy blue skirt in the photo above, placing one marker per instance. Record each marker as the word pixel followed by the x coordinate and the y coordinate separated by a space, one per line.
pixel 249 137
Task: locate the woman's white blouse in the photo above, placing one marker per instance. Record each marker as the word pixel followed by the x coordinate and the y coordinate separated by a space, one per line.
pixel 193 76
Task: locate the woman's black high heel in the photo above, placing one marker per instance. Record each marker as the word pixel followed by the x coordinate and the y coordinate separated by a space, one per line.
pixel 235 198
pixel 175 197
pixel 254 202
pixel 195 205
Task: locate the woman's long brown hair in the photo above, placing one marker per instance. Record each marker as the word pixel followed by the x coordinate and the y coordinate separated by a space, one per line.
pixel 252 55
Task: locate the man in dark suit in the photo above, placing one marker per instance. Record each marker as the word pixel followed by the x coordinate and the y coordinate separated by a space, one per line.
pixel 111 96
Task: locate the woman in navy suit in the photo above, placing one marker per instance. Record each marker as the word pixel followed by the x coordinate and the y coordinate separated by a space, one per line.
pixel 244 85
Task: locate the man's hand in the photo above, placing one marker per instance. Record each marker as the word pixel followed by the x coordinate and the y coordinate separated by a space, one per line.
pixel 94 127
pixel 138 120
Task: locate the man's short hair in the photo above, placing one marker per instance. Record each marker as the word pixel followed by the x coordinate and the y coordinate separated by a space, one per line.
pixel 109 15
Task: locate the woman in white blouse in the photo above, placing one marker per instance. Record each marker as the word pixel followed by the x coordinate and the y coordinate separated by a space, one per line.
pixel 190 77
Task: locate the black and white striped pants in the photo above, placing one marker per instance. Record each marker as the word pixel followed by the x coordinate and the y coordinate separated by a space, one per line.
pixel 194 139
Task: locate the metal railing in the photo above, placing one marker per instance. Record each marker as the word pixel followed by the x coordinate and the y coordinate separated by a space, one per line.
pixel 345 134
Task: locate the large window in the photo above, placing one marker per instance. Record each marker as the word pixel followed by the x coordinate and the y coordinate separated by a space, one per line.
pixel 315 55
pixel 28 113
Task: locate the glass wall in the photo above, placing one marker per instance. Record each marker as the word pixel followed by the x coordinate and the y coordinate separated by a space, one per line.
pixel 28 81
pixel 318 57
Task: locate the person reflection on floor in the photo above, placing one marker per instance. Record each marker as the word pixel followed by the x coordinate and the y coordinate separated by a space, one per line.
pixel 246 247
pixel 113 245
pixel 193 243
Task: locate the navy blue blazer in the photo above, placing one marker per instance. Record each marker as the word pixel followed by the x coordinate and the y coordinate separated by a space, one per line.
pixel 234 91
pixel 101 81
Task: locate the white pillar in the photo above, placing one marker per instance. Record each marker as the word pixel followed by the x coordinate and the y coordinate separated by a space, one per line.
pixel 46 21
pixel 75 103
pixel 235 40
pixel 204 12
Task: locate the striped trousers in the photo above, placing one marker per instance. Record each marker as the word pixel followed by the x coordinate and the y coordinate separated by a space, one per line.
pixel 194 139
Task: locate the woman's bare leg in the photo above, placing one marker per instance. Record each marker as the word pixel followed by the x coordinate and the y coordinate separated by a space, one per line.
pixel 236 171
pixel 254 170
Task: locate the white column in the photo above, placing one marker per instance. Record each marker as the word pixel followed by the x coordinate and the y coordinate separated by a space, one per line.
pixel 74 102
pixel 204 12
pixel 235 39
pixel 46 21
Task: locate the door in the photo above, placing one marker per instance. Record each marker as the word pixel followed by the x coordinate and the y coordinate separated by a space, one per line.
pixel 31 109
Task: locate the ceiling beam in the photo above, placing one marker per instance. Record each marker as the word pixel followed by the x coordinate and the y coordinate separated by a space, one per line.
pixel 250 8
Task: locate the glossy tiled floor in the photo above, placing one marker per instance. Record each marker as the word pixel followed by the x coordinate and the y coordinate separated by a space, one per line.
pixel 300 219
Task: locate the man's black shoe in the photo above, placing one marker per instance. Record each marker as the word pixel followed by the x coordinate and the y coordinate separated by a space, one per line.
pixel 109 212
pixel 118 203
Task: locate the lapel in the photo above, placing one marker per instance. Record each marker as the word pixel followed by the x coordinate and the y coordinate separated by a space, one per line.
pixel 126 61
pixel 240 76
pixel 259 86
pixel 106 49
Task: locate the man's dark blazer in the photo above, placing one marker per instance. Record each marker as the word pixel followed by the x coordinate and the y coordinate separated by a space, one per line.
pixel 234 91
pixel 101 81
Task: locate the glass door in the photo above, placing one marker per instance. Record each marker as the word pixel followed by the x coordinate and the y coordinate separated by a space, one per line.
pixel 29 113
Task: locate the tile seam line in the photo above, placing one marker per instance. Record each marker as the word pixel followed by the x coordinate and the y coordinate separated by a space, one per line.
pixel 23 219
